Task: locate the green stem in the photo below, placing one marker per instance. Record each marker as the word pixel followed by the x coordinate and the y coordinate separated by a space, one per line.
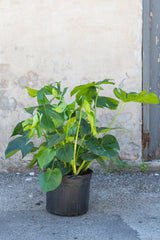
pixel 87 166
pixel 80 167
pixel 117 115
pixel 96 104
pixel 75 144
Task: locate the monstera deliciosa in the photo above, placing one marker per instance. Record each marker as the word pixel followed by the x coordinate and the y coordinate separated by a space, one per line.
pixel 71 138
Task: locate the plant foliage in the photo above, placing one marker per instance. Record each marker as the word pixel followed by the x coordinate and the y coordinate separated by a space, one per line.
pixel 71 138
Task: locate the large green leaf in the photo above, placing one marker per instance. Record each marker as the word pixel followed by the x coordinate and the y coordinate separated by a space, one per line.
pixel 56 139
pixel 97 148
pixel 109 141
pixel 142 97
pixel 89 156
pixel 18 130
pixel 65 154
pixel 45 157
pixel 47 123
pixel 17 144
pixel 51 113
pixel 50 179
pixel 82 88
pixel 86 128
pixel 107 102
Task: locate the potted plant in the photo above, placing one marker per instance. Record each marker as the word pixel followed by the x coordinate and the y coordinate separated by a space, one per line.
pixel 71 140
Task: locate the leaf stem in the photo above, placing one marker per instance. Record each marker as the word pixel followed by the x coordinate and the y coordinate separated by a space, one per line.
pixel 117 115
pixel 75 144
pixel 81 167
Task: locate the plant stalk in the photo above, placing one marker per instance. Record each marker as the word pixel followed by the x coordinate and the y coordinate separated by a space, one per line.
pixel 117 115
pixel 75 144
pixel 80 167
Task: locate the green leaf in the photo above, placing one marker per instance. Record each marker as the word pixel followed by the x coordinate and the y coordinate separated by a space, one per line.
pixel 65 169
pixel 91 119
pixel 87 90
pixel 33 162
pixel 47 123
pixel 50 179
pixel 41 98
pixel 142 97
pixel 30 110
pixel 56 139
pixel 107 102
pixel 65 154
pixel 86 128
pixel 97 148
pixel 18 130
pixel 102 163
pixel 89 156
pixel 106 81
pixel 19 144
pixel 109 141
pixel 64 91
pixel 51 113
pixel 31 92
pixel 71 106
pixel 54 92
pixel 45 157
pixel 61 107
pixel 82 88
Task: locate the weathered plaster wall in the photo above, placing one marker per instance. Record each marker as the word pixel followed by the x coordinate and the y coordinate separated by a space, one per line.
pixel 73 42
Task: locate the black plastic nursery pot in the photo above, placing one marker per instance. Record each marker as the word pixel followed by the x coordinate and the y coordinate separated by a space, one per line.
pixel 71 198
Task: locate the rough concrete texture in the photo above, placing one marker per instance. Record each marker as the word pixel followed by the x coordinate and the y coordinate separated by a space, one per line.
pixel 122 207
pixel 74 42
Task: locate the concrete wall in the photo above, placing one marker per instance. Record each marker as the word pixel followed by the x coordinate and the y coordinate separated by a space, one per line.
pixel 73 42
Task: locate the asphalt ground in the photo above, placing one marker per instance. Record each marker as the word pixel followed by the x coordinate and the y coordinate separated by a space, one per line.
pixel 123 206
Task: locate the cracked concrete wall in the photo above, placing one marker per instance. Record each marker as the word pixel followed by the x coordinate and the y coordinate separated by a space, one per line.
pixel 73 42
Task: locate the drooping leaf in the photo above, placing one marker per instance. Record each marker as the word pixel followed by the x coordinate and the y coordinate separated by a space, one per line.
pixel 17 144
pixel 50 179
pixel 18 130
pixel 65 154
pixel 142 97
pixel 33 162
pixel 107 102
pixel 31 92
pixel 56 139
pixel 46 157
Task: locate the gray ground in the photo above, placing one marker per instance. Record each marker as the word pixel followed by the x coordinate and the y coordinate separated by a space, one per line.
pixel 122 207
